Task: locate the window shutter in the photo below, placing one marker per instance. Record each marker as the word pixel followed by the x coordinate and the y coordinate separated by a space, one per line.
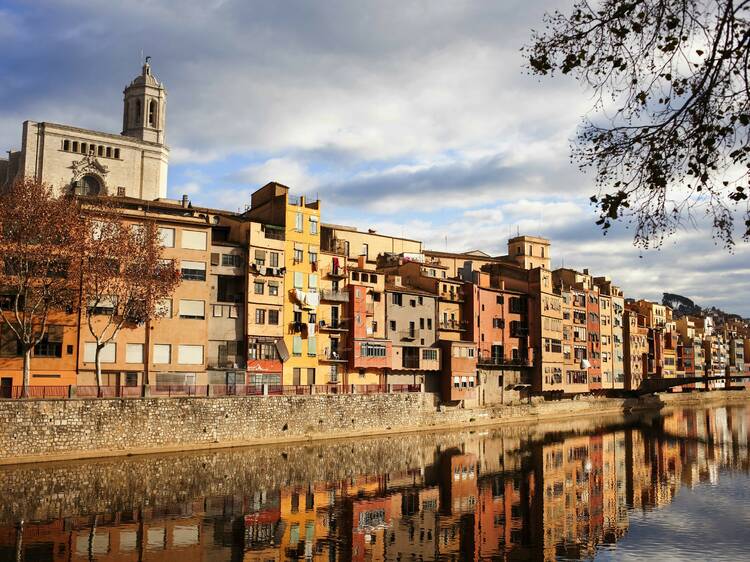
pixel 192 308
pixel 215 258
pixel 311 346
pixel 297 344
pixel 162 353
pixel 190 354
pixel 193 240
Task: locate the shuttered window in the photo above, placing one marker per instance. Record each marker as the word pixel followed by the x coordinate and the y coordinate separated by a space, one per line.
pixel 190 354
pixel 134 353
pixel 162 354
pixel 311 346
pixel 297 345
pixel 192 309
pixel 193 240
pixel 166 237
pixel 193 270
pixel 106 355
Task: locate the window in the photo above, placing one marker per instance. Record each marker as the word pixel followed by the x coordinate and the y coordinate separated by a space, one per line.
pixel 413 303
pixel 297 346
pixel 51 344
pixel 274 261
pixel 192 309
pixel 421 323
pixel 298 255
pixel 189 354
pixel 217 311
pixel 134 353
pixel 166 237
pixel 429 354
pixel 66 145
pixel 9 346
pixel 313 225
pixel 193 240
pixel 117 153
pixel 231 260
pixel 299 280
pixel 311 346
pixel 106 355
pixel 152 113
pixel 193 270
pixel 397 298
pixel 164 308
pixel 312 281
pixel 260 316
pixel 162 354
pixel 497 322
pixel 393 325
pixel 298 222
pixel 372 350
pixel 273 289
pixel 273 316
pixel 499 299
pixel 258 287
pixel 233 311
pixel 420 300
pixel 312 256
pixel 429 323
pixel 365 251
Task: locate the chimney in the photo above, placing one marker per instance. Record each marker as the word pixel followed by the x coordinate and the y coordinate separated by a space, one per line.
pixel 586 271
pixel 361 261
pixel 185 201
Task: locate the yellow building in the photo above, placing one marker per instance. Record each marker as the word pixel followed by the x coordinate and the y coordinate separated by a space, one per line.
pixel 300 220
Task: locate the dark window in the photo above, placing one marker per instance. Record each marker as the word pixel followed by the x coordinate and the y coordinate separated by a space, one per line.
pixel 273 316
pixel 51 344
pixel 393 325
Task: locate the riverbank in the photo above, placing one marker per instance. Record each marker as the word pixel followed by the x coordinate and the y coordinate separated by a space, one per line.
pixel 43 431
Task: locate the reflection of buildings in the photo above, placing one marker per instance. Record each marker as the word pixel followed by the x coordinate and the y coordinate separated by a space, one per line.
pixel 491 497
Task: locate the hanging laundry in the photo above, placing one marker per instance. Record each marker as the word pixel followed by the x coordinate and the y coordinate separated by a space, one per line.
pixel 310 329
pixel 313 299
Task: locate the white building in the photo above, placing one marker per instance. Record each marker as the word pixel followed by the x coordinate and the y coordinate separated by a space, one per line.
pixel 133 163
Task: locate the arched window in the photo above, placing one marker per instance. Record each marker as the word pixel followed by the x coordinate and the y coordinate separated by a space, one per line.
pixel 138 112
pixel 87 185
pixel 152 113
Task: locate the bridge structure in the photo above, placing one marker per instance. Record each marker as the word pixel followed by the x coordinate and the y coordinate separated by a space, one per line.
pixel 660 384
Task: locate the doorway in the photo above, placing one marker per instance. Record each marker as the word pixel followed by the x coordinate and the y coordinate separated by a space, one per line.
pixel 6 387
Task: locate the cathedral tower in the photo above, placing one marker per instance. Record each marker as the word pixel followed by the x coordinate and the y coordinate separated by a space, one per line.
pixel 144 107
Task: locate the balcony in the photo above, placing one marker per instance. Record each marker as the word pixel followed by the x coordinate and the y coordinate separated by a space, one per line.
pixel 273 232
pixel 333 325
pixel 334 296
pixel 452 296
pixel 335 356
pixel 499 361
pixel 335 272
pixel 409 335
pixel 267 271
pixel 453 325
pixel 334 246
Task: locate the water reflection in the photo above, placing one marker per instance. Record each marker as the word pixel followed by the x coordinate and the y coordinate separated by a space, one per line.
pixel 509 494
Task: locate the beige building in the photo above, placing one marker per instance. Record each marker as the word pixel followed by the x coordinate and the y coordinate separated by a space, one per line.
pixel 133 163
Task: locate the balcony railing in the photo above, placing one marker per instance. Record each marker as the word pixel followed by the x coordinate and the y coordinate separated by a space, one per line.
pixel 65 392
pixel 335 325
pixel 489 359
pixel 334 356
pixel 455 325
pixel 336 272
pixel 409 334
pixel 335 296
pixel 453 296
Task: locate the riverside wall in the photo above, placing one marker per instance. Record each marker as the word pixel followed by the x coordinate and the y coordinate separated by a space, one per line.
pixel 39 430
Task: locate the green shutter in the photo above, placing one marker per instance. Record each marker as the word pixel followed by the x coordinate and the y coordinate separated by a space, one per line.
pixel 311 346
pixel 297 345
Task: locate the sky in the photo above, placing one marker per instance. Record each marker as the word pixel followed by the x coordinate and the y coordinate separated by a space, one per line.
pixel 415 118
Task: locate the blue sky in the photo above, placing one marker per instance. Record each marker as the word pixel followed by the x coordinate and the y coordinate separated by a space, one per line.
pixel 414 118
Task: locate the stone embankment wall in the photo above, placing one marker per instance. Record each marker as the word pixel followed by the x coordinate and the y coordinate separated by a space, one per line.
pixel 56 429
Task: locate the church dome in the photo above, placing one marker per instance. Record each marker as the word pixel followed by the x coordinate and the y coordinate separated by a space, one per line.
pixel 146 77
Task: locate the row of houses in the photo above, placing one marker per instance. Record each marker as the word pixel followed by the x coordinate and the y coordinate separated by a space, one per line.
pixel 274 296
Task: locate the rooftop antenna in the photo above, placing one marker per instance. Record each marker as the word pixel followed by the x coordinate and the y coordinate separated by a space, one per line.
pixel 446 242
pixel 518 231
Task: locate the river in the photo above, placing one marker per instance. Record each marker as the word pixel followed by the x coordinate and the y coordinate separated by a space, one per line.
pixel 658 486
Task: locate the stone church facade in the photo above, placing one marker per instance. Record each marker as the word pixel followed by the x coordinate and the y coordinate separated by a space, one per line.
pixel 132 164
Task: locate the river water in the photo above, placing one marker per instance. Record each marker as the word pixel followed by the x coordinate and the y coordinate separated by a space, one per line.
pixel 660 486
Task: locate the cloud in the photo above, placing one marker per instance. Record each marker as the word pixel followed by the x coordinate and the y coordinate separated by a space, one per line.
pixel 413 117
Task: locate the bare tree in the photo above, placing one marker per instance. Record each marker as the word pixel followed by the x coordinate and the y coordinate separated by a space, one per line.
pixel 668 136
pixel 41 238
pixel 124 275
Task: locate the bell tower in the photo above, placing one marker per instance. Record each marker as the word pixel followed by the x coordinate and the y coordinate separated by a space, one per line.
pixel 144 107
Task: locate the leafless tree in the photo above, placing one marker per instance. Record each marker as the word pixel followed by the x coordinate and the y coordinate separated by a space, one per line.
pixel 668 135
pixel 124 275
pixel 41 240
